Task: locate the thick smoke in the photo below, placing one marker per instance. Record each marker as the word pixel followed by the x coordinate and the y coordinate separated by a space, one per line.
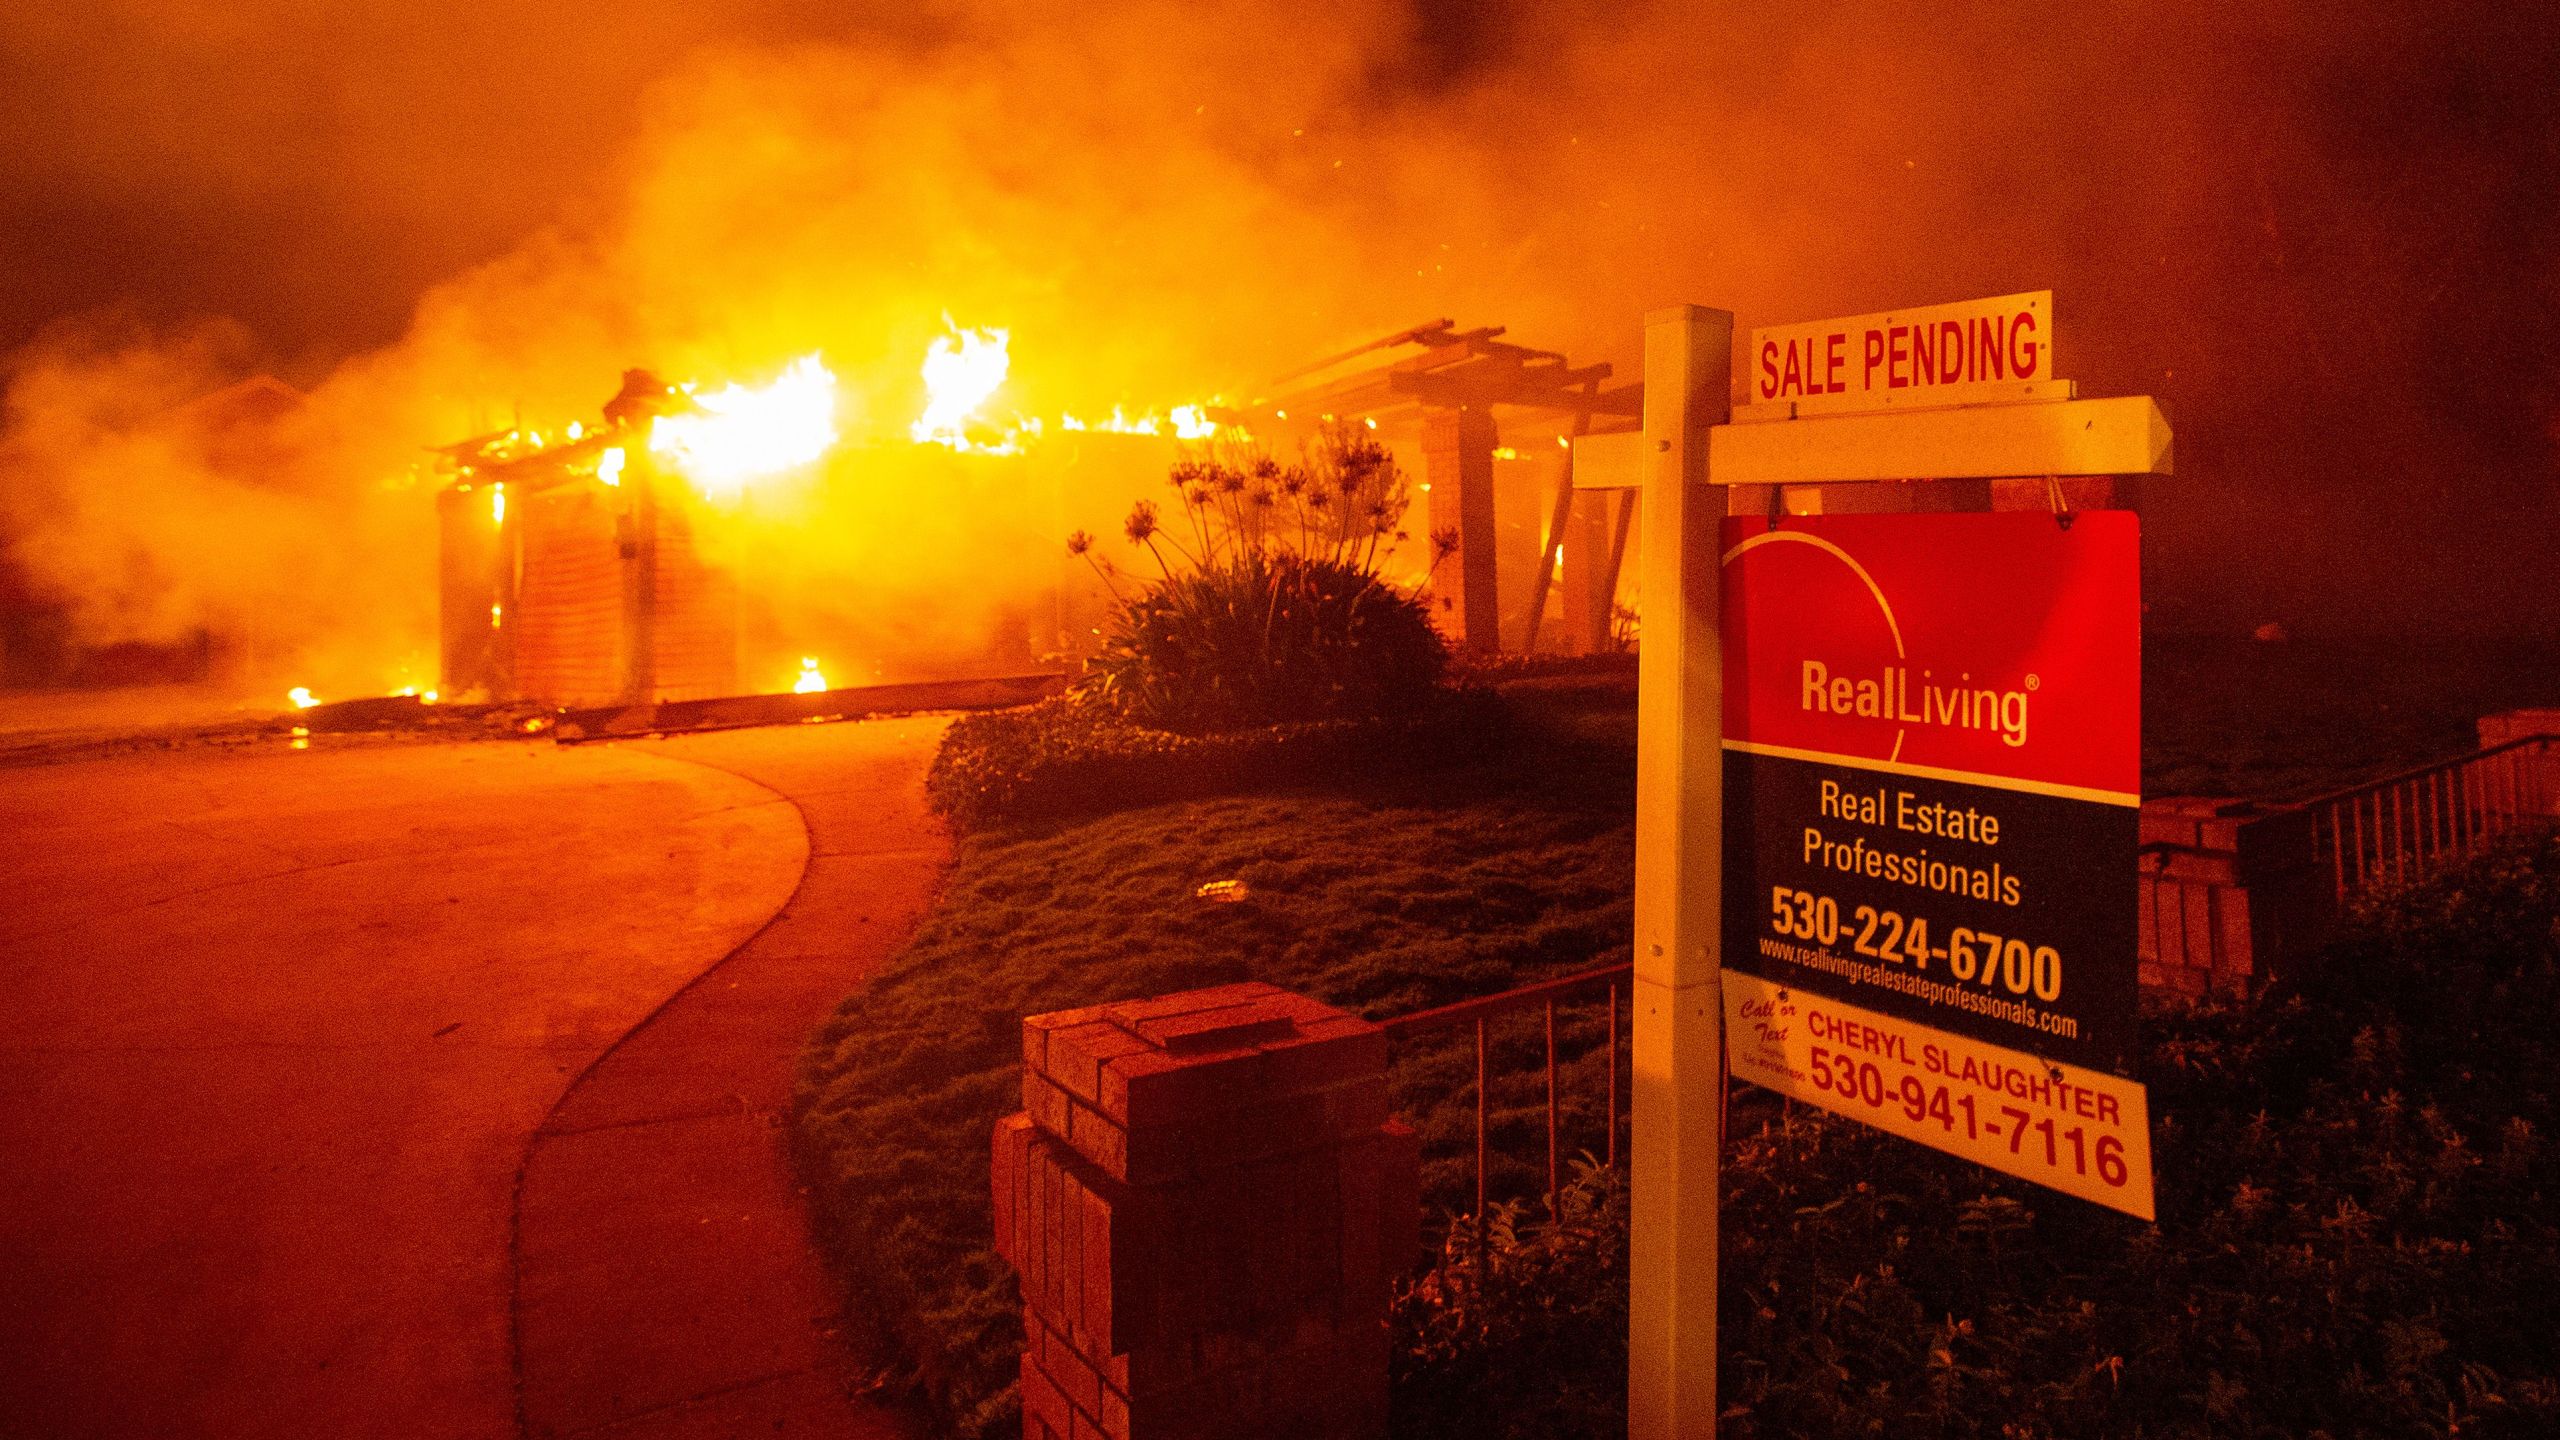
pixel 2322 238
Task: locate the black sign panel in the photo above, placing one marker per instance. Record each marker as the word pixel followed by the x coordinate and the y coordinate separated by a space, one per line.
pixel 1994 913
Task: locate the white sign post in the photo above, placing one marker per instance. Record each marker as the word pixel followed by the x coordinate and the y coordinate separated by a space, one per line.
pixel 1679 1082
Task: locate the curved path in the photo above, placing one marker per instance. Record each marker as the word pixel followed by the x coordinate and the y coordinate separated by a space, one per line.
pixel 431 1090
pixel 666 1285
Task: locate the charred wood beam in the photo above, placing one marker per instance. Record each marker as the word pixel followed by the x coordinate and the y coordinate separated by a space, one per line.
pixel 1436 390
pixel 1433 329
pixel 1466 345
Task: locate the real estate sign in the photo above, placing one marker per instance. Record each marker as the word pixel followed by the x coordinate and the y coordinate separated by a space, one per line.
pixel 1932 749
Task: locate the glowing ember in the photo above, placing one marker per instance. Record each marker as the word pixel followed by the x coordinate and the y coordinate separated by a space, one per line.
pixel 609 465
pixel 958 378
pixel 498 504
pixel 747 434
pixel 810 681
pixel 302 697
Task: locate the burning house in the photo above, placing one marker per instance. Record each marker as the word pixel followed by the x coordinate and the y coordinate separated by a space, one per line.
pixel 694 543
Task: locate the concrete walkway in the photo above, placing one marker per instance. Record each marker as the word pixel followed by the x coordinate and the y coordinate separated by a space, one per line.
pixel 274 1030
pixel 665 1282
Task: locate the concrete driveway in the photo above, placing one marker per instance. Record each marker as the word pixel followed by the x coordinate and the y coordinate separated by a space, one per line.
pixel 275 1029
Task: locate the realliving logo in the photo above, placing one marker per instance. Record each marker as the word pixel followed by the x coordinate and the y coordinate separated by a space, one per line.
pixel 1976 645
pixel 1890 695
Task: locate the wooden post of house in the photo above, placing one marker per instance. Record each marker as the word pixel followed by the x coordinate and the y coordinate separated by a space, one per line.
pixel 1590 577
pixel 639 544
pixel 1678 1021
pixel 1457 463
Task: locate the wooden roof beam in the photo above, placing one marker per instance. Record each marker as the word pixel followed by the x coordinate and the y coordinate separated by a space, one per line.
pixel 1473 344
pixel 1433 329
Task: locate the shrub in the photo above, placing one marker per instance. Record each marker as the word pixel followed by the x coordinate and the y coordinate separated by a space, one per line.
pixel 1274 610
pixel 1265 638
pixel 1527 1334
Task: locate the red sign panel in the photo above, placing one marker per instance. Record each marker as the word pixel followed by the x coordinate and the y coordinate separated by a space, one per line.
pixel 1991 645
pixel 1933 743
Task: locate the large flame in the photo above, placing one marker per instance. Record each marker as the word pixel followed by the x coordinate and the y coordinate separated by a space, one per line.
pixel 958 378
pixel 744 434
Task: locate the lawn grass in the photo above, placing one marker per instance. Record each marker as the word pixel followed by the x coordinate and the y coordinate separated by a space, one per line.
pixel 1400 895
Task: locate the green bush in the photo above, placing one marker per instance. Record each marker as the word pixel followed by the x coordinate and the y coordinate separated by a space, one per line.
pixel 1524 1333
pixel 2356 1235
pixel 1271 607
pixel 1263 638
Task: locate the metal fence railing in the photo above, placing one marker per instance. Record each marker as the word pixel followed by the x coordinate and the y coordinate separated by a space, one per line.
pixel 1544 996
pixel 2399 829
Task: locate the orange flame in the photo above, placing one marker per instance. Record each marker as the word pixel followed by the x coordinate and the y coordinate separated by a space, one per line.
pixel 745 435
pixel 958 379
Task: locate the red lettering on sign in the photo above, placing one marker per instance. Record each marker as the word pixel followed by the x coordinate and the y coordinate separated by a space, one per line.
pixel 1898 354
pixel 1990 350
pixel 1769 370
pixel 2022 351
pixel 1873 357
pixel 1832 362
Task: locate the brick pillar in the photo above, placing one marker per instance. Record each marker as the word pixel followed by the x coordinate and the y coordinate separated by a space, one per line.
pixel 1457 463
pixel 1205 1201
pixel 2230 893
